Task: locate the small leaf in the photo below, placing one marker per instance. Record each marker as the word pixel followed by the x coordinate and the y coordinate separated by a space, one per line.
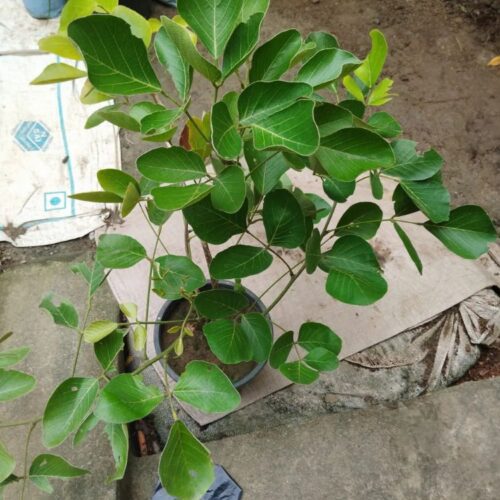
pixel 64 314
pixel 140 337
pixel 58 72
pixel 119 440
pixel 381 95
pixel 352 87
pixel 60 45
pixel 47 465
pixel 129 310
pixel 88 424
pixel 228 341
pixel 14 384
pixel 206 387
pixel 7 463
pixel 115 181
pixel 225 137
pixel 97 197
pixel 337 190
pixel 298 372
pixel 108 348
pixel 376 186
pixel 131 199
pixel 219 303
pixel 177 197
pixel 361 219
pixel 322 359
pixel 229 192
pixel 240 261
pixel 313 251
pixel 115 251
pixel 94 277
pixel 372 66
pixel 313 335
pixel 281 350
pixel 139 26
pixel 385 125
pixel 412 252
pixel 13 356
pixel 75 9
pixel 98 330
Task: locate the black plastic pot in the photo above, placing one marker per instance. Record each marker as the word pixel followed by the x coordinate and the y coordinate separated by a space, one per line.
pixel 142 6
pixel 170 306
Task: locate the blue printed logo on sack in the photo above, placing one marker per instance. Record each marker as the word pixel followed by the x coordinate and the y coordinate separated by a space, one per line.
pixel 32 136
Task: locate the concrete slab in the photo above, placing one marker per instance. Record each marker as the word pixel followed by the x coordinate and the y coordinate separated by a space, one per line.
pixel 50 360
pixel 440 446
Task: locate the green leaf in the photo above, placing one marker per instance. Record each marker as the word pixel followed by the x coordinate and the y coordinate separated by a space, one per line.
pixel 14 384
pixel 219 303
pixel 337 190
pixel 157 216
pixel 119 440
pixel 240 45
pixel 171 58
pixel 88 424
pixel 467 233
pixel 186 469
pixel 240 261
pixel 355 107
pixel 141 109
pixel 322 359
pixel 13 356
pixel 206 387
pixel 182 40
pixel 90 95
pixel 75 9
pixel 281 350
pixel 331 118
pixel 212 20
pixel 125 399
pixel 403 204
pixel 112 115
pixel 97 197
pixel 326 66
pixel 229 192
pixel 313 251
pixel 64 314
pixel 298 372
pixel 412 252
pixel 372 66
pixel 283 219
pixel 139 26
pixel 321 207
pixel 381 95
pixel 212 225
pixel 353 272
pixel 315 41
pixel 67 408
pixel 177 197
pixel 385 125
pixel 98 117
pixel 94 277
pixel 46 465
pixel 117 61
pixel 116 251
pixel 376 185
pixel 314 335
pixel 272 59
pixel 176 274
pixel 159 122
pixel 115 181
pixel 98 330
pixel 43 484
pixel 173 164
pixel 430 196
pixel 258 332
pixel 228 341
pixel 361 219
pixel 225 137
pixel 131 199
pixel 58 72
pixel 60 45
pixel 410 166
pixel 351 85
pixel 350 152
pixel 7 463
pixel 107 349
pixel 251 7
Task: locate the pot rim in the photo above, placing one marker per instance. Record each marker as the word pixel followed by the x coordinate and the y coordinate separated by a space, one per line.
pixel 208 286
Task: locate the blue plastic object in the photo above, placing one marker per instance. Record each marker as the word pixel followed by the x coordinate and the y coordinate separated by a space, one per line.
pixel 44 9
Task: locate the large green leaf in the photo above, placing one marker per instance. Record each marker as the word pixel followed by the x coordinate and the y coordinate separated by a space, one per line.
pixel 322 359
pixel 467 233
pixel 337 190
pixel 107 349
pixel 125 399
pixel 58 72
pixel 206 387
pixel 212 225
pixel 372 66
pixel 186 469
pixel 385 125
pixel 171 58
pixel 362 219
pixel 283 219
pixel 67 408
pixel 228 341
pixel 352 151
pixel 299 372
pixel 14 384
pixel 240 261
pixel 119 440
pixel 272 59
pixel 430 196
pixel 176 274
pixel 331 118
pixel 313 335
pixel 117 61
pixel 173 164
pixel 177 197
pixel 212 20
pixel 258 332
pixel 281 350
pixel 13 356
pixel 115 181
pixel 47 465
pixel 7 463
pixel 225 136
pixel 353 272
pixel 64 314
pixel 98 330
pixel 220 303
pixel 117 251
pixel 229 192
pixel 182 40
pixel 412 252
pixel 326 66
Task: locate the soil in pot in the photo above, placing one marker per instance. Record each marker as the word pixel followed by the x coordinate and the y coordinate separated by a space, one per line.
pixel 196 347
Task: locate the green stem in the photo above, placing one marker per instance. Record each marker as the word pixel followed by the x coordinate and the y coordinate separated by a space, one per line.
pixel 153 229
pixel 26 450
pixel 328 220
pixel 283 292
pixel 6 425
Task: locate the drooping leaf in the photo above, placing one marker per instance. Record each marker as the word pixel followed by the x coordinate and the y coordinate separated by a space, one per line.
pixel 56 73
pixel 186 469
pixel 283 219
pixel 467 233
pixel 361 219
pixel 106 350
pixel 220 303
pixel 272 59
pixel 228 341
pixel 337 190
pixel 97 197
pixel 130 200
pixel 112 115
pixel 240 261
pixel 177 197
pixel 119 440
pixel 115 181
pixel 313 251
pixel 14 384
pixel 430 196
pixel 372 66
pixel 376 185
pixel 229 192
pixel 126 398
pixel 98 330
pixel 313 335
pixel 156 215
pixel 176 274
pixel 322 359
pixel 60 45
pixel 412 252
pixel 87 426
pixel 117 61
pixel 64 314
pixel 67 408
pixel 7 463
pixel 281 350
pixel 206 387
pixel 225 137
pixel 298 372
pixel 385 125
pixel 331 118
pixel 116 251
pixel 258 332
pixel 13 356
pixel 403 204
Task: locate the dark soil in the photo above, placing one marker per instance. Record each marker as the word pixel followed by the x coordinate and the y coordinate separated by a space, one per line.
pixel 196 347
pixel 487 367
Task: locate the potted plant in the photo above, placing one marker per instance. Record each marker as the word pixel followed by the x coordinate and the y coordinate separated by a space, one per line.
pixel 303 104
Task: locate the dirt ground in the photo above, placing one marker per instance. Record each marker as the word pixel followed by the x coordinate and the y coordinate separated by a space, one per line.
pixel 447 96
